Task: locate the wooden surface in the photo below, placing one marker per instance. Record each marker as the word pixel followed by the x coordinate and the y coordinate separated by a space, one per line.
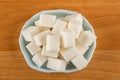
pixel 104 15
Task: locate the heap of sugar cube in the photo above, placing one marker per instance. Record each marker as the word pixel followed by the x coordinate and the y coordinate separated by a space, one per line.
pixel 58 41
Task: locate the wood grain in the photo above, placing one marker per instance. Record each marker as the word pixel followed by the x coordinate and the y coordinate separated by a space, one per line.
pixel 104 15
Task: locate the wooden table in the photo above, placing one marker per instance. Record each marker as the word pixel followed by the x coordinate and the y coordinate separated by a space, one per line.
pixel 104 15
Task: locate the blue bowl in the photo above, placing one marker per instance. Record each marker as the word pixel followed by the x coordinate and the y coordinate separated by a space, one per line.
pixel 59 13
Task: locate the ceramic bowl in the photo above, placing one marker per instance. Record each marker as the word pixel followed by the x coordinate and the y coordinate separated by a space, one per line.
pixel 59 13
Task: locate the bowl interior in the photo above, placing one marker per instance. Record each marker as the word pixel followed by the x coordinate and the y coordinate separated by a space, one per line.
pixel 58 13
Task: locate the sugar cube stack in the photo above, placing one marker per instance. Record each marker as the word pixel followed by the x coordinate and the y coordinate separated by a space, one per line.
pixel 58 41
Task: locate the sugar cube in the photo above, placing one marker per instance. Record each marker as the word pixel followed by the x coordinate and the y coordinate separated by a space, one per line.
pixel 38 59
pixel 53 43
pixel 49 54
pixel 86 38
pixel 79 61
pixel 41 29
pixel 47 20
pixel 40 39
pixel 68 38
pixel 74 16
pixel 58 26
pixel 33 48
pixel 29 32
pixel 56 64
pixel 75 25
pixel 81 48
pixel 69 53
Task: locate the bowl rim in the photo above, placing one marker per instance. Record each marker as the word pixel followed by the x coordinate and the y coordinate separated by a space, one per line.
pixel 45 70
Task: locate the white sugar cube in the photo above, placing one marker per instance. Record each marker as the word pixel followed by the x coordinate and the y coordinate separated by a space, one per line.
pixel 33 48
pixel 29 33
pixel 52 43
pixel 49 54
pixel 58 26
pixel 69 53
pixel 86 38
pixel 38 59
pixel 79 61
pixel 56 64
pixel 81 48
pixel 75 25
pixel 41 29
pixel 74 16
pixel 36 23
pixel 68 38
pixel 47 20
pixel 40 39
